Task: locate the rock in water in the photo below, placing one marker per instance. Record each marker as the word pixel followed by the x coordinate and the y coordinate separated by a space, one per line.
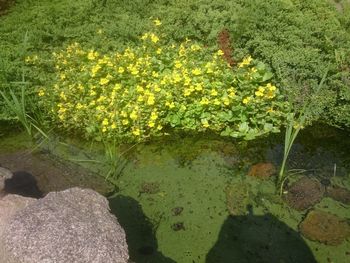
pixel 339 194
pixel 237 198
pixel 74 225
pixel 304 193
pixel 262 170
pixel 325 228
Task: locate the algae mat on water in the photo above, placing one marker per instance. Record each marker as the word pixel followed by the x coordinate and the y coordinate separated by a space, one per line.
pixel 175 196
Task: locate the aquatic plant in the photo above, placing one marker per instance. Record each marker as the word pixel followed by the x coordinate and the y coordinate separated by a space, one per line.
pixel 156 87
pixel 296 121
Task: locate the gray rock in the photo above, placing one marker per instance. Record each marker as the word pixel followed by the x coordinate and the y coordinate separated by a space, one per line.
pixel 74 225
pixel 9 205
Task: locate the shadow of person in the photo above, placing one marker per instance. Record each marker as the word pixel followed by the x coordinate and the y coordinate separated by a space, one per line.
pixel 140 234
pixel 258 239
pixel 24 184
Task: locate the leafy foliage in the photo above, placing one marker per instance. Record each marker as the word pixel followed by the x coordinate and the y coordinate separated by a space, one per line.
pixel 145 90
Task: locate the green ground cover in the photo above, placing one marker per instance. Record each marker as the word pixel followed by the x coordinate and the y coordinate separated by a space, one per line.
pixel 299 40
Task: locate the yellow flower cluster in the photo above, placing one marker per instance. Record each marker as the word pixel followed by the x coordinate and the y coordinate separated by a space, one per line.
pixel 145 90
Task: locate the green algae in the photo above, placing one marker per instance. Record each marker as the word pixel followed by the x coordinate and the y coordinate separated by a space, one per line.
pixel 196 173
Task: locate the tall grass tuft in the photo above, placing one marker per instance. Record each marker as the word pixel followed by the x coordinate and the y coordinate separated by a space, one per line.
pixel 295 123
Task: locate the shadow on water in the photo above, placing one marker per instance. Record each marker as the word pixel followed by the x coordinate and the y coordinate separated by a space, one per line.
pixel 140 232
pixel 24 184
pixel 258 239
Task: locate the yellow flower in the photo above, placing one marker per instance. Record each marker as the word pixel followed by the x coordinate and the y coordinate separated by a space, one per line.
pixel 136 132
pixel 105 122
pixel 258 93
pixel 246 100
pixel 63 96
pixel 198 87
pixel 226 101
pixel 216 102
pixel 121 70
pixel 150 100
pixel 154 38
pixel 195 47
pixel 187 92
pixel 205 123
pixel 271 87
pixel 178 64
pixel 95 69
pixel 155 74
pixel 245 62
pixel 177 78
pixel 125 122
pixel 139 89
pixel 204 101
pixel 92 55
pixel 123 114
pixel 145 36
pixel 159 51
pixel 151 124
pixel 134 115
pixel 196 72
pixel 159 127
pixel 104 81
pixel 156 88
pixel 134 71
pixel 117 87
pixel 113 126
pixel 170 104
pixel 41 93
pixel 157 22
pixel 270 94
pixel 213 92
pixel 220 52
pixel 154 115
pixel 62 76
pixel 140 98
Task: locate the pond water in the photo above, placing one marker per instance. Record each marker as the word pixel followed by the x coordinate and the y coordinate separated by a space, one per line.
pixel 190 199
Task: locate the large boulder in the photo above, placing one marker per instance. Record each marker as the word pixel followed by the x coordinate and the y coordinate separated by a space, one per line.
pixel 74 225
pixel 325 228
pixel 9 205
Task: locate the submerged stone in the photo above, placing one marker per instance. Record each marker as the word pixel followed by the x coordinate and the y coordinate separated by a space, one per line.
pixel 339 194
pixel 177 210
pixel 325 228
pixel 178 226
pixel 262 170
pixel 237 198
pixel 149 188
pixel 304 193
